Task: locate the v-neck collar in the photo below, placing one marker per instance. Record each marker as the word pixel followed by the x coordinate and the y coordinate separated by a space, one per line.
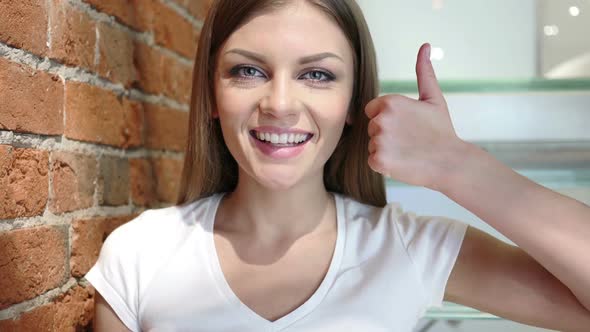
pixel 309 305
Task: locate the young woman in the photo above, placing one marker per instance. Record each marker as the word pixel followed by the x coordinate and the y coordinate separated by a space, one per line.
pixel 282 222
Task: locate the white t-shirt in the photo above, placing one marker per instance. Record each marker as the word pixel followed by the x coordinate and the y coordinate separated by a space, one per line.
pixel 160 272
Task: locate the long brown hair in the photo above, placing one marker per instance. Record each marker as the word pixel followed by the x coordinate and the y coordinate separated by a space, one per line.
pixel 208 165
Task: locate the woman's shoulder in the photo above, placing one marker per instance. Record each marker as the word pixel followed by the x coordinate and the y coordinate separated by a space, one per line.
pixel 394 217
pixel 133 242
pixel 357 210
pixel 164 221
pixel 133 253
pixel 151 237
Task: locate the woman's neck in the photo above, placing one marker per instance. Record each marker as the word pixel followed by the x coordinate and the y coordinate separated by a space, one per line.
pixel 272 215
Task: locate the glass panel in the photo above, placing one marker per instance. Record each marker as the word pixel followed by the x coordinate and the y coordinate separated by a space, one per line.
pixel 481 45
pixel 454 311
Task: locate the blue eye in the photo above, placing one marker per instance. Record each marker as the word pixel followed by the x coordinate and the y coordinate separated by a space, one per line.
pixel 245 73
pixel 327 76
pixel 236 71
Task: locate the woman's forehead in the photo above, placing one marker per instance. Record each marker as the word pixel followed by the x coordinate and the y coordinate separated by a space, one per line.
pixel 294 30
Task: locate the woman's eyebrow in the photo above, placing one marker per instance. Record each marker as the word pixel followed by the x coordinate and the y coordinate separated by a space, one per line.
pixel 302 61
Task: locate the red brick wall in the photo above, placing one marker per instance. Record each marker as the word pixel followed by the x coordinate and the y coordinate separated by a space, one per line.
pixel 94 101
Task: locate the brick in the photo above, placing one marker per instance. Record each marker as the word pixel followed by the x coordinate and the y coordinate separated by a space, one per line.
pixel 142 181
pixel 116 55
pixel 122 10
pixel 32 101
pixel 173 31
pixel 137 14
pixel 68 312
pixel 165 128
pixel 161 74
pixel 149 64
pixel 73 176
pixel 167 173
pixel 155 179
pixel 23 24
pixel 181 2
pixel 199 8
pixel 100 116
pixel 114 179
pixel 177 79
pixel 33 261
pixel 23 182
pixel 88 235
pixel 73 35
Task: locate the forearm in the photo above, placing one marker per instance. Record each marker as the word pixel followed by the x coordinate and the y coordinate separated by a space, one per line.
pixel 554 229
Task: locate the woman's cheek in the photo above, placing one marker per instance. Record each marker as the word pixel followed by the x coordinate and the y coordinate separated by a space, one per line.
pixel 331 115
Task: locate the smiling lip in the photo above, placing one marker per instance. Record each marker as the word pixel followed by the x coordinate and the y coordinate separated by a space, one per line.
pixel 279 130
pixel 276 151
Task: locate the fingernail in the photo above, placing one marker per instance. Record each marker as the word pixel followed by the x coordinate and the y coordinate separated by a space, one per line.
pixel 428 52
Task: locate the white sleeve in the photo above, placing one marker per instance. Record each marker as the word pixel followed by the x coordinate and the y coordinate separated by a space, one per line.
pixel 433 244
pixel 115 274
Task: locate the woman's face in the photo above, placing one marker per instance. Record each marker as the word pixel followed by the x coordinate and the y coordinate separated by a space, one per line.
pixel 283 85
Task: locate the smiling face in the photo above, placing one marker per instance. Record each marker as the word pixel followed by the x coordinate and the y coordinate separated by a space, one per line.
pixel 283 84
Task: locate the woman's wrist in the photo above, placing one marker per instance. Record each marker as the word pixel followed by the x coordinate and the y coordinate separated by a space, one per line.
pixel 456 164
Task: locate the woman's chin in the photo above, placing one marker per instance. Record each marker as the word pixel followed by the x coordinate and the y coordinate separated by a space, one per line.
pixel 277 183
pixel 278 179
pixel 281 177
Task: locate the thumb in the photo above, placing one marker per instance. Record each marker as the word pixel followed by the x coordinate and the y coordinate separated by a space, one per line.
pixel 428 87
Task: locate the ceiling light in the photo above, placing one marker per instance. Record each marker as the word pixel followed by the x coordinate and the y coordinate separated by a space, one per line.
pixel 551 30
pixel 437 54
pixel 574 11
pixel 437 4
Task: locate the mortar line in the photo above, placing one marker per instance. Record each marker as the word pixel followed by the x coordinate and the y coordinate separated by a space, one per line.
pixel 75 74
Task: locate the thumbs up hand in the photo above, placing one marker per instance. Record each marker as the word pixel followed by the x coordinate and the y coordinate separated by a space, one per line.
pixel 413 141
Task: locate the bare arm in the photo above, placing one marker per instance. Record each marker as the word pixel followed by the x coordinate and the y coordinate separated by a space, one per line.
pixel 551 228
pixel 105 319
pixel 504 280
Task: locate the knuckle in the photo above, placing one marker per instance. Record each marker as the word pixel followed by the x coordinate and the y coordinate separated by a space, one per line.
pixel 380 142
pixel 372 147
pixel 378 166
pixel 373 163
pixel 372 129
pixel 376 122
pixel 379 160
pixel 367 108
pixel 394 100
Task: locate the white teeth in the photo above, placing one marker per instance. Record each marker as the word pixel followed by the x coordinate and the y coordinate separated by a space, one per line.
pixel 274 138
pixel 283 138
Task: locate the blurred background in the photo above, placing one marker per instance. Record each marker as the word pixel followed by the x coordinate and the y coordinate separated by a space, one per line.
pixel 482 40
pixel 516 76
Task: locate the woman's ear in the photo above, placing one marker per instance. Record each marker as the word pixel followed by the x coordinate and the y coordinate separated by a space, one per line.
pixel 215 114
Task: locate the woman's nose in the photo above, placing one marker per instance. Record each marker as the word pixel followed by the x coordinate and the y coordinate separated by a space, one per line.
pixel 280 99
